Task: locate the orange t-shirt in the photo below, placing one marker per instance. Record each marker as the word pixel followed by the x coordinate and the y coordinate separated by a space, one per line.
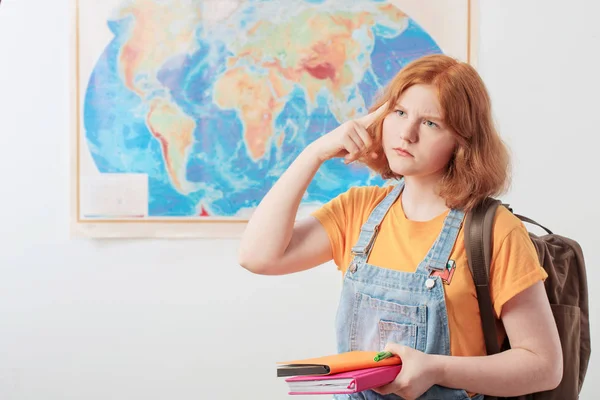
pixel 402 244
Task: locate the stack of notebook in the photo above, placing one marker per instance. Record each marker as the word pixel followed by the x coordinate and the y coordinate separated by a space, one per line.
pixel 344 373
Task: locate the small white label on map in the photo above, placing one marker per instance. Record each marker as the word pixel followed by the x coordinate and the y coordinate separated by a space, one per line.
pixel 114 196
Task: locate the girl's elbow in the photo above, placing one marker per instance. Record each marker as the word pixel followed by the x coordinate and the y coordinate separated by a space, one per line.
pixel 253 263
pixel 259 264
pixel 557 375
pixel 554 371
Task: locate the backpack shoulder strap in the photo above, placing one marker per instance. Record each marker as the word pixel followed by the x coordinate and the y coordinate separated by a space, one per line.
pixel 478 244
pixel 478 234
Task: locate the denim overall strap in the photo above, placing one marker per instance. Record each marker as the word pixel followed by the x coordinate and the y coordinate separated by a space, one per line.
pixel 368 231
pixel 439 254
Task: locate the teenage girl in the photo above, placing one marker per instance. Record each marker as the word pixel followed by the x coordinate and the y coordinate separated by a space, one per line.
pixel 407 286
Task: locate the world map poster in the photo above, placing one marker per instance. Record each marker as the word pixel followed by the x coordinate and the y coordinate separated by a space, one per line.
pixel 186 112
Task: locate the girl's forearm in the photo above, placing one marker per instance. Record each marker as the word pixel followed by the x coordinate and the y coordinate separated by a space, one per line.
pixel 514 372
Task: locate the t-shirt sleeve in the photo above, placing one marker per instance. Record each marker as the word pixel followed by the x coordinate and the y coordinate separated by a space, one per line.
pixel 334 215
pixel 515 267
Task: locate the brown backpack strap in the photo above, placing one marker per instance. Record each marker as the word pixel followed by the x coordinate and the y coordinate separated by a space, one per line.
pixel 478 243
pixel 529 220
pixel 479 225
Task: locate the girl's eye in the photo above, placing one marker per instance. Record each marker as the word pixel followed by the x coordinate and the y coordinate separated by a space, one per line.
pixel 400 113
pixel 431 124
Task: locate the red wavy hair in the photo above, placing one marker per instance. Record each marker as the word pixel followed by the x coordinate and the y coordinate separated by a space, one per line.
pixel 480 165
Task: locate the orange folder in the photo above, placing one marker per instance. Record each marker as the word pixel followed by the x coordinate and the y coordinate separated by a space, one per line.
pixel 333 364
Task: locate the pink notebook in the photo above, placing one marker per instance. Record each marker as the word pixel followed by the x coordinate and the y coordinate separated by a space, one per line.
pixel 345 382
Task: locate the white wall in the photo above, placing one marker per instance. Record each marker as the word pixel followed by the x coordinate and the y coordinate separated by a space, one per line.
pixel 179 319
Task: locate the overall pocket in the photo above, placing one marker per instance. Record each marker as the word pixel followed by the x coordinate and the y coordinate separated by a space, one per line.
pixel 375 322
pixel 393 332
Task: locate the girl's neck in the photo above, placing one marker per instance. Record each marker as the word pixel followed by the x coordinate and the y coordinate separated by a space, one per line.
pixel 420 198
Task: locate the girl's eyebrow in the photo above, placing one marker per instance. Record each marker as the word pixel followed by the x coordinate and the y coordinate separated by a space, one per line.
pixel 435 118
pixel 432 117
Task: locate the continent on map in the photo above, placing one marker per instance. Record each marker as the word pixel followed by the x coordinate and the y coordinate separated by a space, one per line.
pixel 258 97
pixel 174 130
pixel 148 47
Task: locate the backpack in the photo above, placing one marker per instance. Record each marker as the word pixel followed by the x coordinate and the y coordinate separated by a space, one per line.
pixel 566 286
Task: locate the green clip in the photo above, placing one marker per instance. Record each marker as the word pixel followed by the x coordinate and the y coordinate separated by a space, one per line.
pixel 382 355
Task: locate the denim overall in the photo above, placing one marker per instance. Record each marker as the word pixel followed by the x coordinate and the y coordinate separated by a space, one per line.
pixel 381 305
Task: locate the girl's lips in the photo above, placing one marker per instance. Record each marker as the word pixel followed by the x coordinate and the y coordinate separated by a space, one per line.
pixel 401 152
